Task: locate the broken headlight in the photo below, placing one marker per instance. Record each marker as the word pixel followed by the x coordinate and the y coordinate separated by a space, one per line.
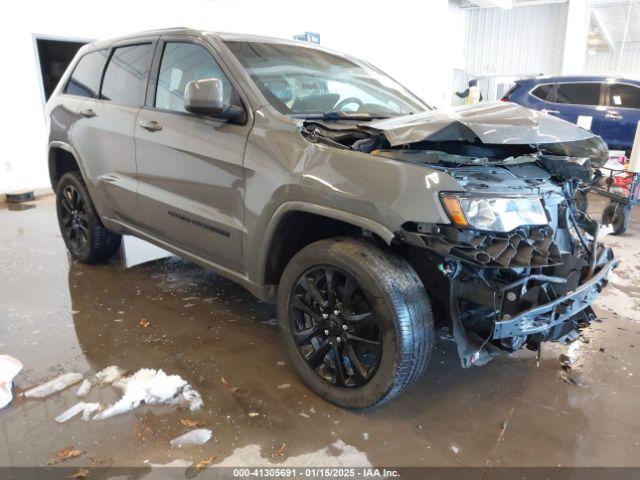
pixel 498 214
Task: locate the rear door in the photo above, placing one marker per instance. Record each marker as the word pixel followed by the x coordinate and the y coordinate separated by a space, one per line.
pixel 190 167
pixel 621 116
pixel 105 140
pixel 578 102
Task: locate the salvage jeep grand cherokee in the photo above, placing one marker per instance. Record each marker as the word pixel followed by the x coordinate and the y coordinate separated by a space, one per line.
pixel 314 180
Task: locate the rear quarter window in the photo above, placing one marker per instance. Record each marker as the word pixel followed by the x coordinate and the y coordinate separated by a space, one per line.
pixel 85 79
pixel 543 92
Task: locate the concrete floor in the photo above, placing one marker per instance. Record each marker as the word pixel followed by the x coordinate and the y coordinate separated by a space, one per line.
pixel 57 315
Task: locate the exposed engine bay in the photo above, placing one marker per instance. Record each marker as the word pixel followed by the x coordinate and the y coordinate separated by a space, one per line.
pixel 520 263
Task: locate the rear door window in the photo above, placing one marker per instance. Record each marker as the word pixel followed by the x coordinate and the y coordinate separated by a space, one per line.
pixel 125 79
pixel 85 79
pixel 543 91
pixel 624 96
pixel 578 93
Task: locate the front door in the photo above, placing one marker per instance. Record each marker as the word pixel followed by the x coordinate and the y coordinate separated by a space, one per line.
pixel 621 116
pixel 190 167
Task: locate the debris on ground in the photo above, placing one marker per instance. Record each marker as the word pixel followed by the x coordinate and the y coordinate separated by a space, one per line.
pixel 205 463
pixel 53 386
pixel 109 375
pixel 83 389
pixel 151 387
pixel 188 398
pixel 9 368
pixel 280 451
pixel 140 431
pixel 566 361
pixel 193 437
pixel 191 423
pixel 81 407
pixel 144 323
pixel 65 454
pixel 254 414
pixel 229 386
pixel 567 376
pixel 80 473
pixel 283 386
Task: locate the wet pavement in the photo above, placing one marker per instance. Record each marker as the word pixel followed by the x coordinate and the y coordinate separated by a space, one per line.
pixel 57 316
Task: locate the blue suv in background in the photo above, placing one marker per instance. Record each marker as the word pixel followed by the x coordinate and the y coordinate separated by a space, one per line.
pixel 609 107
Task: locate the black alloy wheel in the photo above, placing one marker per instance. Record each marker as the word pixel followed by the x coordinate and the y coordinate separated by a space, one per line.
pixel 85 236
pixel 74 219
pixel 335 327
pixel 355 321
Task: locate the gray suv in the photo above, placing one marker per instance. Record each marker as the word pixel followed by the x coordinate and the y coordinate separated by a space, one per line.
pixel 319 183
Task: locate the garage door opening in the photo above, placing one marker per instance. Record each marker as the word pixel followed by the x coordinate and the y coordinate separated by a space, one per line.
pixel 54 55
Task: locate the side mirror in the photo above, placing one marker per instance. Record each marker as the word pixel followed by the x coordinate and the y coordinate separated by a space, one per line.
pixel 206 97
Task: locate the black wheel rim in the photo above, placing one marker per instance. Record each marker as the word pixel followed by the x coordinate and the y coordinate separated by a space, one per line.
pixel 334 327
pixel 74 218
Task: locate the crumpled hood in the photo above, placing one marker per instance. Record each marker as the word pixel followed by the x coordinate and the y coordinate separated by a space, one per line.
pixel 492 123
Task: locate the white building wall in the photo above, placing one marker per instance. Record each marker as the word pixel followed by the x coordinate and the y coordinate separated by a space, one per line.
pixel 411 41
pixel 607 63
pixel 525 40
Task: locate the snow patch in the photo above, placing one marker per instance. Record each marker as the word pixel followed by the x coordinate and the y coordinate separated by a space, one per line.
pixel 9 368
pixel 53 386
pixel 84 388
pixel 151 387
pixel 348 456
pixel 109 375
pixel 193 437
pixel 86 408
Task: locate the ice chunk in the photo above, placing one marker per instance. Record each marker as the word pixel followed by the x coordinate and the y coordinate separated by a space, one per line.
pixel 84 388
pixel 193 437
pixel 86 408
pixel 109 375
pixel 151 387
pixel 52 386
pixel 9 368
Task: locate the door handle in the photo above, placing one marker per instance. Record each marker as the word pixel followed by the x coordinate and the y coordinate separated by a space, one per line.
pixel 87 113
pixel 151 126
pixel 613 116
pixel 550 112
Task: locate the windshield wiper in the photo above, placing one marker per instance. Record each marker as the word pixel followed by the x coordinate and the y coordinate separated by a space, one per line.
pixel 338 115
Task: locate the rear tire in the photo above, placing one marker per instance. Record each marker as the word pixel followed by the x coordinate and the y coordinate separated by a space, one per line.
pixel 86 238
pixel 383 318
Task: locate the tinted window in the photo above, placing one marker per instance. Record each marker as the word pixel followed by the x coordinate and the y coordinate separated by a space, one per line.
pixel 543 91
pixel 181 64
pixel 125 79
pixel 622 95
pixel 578 93
pixel 85 79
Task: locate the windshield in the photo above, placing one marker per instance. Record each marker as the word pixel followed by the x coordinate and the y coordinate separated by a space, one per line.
pixel 307 82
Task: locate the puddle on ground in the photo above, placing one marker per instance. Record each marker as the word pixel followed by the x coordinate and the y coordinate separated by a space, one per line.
pixel 58 316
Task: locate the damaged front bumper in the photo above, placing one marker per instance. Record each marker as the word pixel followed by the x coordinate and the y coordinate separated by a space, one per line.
pixel 542 318
pixel 505 291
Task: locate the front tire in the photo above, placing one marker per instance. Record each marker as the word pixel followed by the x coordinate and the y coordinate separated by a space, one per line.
pixel 355 320
pixel 85 236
